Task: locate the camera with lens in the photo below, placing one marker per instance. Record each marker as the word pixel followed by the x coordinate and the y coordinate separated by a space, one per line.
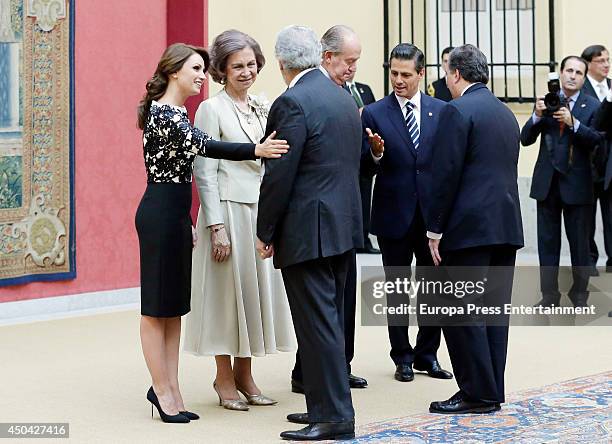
pixel 553 100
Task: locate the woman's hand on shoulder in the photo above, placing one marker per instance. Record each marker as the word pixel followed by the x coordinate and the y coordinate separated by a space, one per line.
pixel 272 148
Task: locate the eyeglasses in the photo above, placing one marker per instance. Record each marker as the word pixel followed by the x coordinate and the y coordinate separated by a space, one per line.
pixel 601 61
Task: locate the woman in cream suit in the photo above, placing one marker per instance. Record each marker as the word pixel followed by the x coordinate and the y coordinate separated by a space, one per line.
pixel 238 303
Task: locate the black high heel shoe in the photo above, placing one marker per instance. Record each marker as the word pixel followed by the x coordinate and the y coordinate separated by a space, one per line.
pixel 190 415
pixel 176 419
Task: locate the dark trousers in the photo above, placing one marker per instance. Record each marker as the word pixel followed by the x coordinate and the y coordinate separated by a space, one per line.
pixel 399 253
pixel 577 219
pixel 365 188
pixel 478 352
pixel 315 290
pixel 350 302
pixel 605 203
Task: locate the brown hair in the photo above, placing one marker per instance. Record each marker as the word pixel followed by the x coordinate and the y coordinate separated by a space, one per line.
pixel 172 60
pixel 226 44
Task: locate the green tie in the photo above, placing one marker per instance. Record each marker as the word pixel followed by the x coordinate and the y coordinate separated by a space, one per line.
pixel 356 95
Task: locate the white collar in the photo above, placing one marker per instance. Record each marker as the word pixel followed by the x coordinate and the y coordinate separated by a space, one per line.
pixel 324 71
pixel 416 100
pixel 595 82
pixel 180 108
pixel 299 76
pixel 468 87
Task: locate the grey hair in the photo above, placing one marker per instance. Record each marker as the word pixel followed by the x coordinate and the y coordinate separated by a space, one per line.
pixel 333 39
pixel 297 47
pixel 471 63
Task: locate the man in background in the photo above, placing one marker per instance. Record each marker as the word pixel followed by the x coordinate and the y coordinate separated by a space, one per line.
pixel 562 181
pixel 362 94
pixel 438 89
pixel 597 85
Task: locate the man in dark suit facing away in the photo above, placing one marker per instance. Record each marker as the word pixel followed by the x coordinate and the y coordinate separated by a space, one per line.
pixel 438 89
pixel 309 220
pixel 475 221
pixel 406 120
pixel 597 85
pixel 341 50
pixel 562 181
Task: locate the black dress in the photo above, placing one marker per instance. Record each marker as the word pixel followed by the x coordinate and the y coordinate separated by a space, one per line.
pixel 163 220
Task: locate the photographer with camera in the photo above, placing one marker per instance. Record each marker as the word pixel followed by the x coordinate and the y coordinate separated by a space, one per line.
pixel 562 182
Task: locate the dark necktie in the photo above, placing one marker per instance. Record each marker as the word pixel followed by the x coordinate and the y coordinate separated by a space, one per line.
pixel 356 95
pixel 411 123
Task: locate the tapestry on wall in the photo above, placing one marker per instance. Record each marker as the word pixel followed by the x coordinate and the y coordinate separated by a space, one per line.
pixel 37 239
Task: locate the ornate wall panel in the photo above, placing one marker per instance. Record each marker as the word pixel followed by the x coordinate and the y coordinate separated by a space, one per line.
pixel 36 141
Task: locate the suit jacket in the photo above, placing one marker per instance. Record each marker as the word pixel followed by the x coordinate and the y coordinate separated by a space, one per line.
pixel 367 96
pixel 587 88
pixel 403 178
pixel 439 90
pixel 474 199
pixel 309 203
pixel 603 122
pixel 602 172
pixel 575 175
pixel 219 180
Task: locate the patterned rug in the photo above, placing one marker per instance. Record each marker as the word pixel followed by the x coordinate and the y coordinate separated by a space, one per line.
pixel 36 141
pixel 576 411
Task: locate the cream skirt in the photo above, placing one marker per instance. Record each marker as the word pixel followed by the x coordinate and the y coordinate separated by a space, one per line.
pixel 238 307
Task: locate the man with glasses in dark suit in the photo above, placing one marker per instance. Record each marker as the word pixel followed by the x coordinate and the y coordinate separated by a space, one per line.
pixel 597 85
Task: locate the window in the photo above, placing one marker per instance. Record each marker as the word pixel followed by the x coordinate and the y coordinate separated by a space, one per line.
pixel 512 4
pixel 464 5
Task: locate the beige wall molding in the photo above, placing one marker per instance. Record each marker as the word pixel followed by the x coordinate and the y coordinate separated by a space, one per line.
pixel 47 12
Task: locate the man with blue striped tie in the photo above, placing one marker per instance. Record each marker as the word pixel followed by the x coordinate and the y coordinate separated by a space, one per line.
pixel 406 121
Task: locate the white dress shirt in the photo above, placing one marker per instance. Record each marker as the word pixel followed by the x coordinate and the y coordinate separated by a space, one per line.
pixel 416 101
pixel 601 88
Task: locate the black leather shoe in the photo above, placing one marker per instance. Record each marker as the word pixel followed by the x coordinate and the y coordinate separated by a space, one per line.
pixel 579 300
pixel 546 303
pixel 610 314
pixel 458 404
pixel 297 386
pixel 368 248
pixel 356 382
pixel 435 371
pixel 298 418
pixel 404 373
pixel 320 431
pixel 497 406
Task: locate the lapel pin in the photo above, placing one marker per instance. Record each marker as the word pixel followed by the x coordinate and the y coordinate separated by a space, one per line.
pixel 430 114
pixel 583 105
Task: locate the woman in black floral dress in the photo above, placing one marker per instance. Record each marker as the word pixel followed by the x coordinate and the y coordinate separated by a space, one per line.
pixel 163 219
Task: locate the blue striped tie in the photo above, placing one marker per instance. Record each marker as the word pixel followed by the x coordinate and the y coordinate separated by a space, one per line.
pixel 411 123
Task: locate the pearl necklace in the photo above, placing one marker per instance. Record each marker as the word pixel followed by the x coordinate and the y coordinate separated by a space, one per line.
pixel 248 115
